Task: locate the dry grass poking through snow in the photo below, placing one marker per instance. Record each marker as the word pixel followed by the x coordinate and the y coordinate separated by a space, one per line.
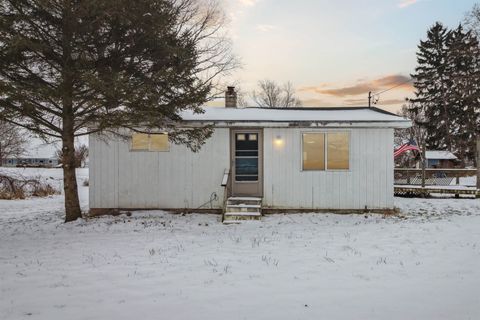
pixel 16 186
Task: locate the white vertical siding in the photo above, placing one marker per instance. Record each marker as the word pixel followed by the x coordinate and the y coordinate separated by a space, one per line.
pixel 179 178
pixel 369 182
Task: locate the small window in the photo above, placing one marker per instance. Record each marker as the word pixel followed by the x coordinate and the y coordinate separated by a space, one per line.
pixel 140 142
pixel 159 142
pixel 338 151
pixel 150 142
pixel 313 151
pixel 329 151
pixel 241 137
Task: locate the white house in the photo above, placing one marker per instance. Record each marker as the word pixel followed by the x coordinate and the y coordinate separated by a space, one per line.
pixel 440 159
pixel 303 159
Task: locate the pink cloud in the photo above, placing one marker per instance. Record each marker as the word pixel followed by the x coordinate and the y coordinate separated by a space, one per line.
pixel 406 3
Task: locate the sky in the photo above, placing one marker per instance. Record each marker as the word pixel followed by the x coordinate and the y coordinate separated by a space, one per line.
pixel 335 52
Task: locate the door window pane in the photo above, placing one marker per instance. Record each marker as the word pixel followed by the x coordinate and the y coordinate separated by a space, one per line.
pixel 246 166
pixel 246 157
pixel 338 151
pixel 313 151
pixel 242 144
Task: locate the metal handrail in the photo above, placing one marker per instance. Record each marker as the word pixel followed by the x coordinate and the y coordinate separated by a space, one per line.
pixel 226 193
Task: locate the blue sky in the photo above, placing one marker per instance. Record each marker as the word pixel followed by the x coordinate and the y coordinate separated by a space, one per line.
pixel 332 51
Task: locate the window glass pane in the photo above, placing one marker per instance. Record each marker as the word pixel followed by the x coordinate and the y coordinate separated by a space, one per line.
pixel 240 137
pixel 139 141
pixel 159 142
pixel 338 151
pixel 246 145
pixel 249 153
pixel 246 178
pixel 246 166
pixel 313 151
pixel 252 137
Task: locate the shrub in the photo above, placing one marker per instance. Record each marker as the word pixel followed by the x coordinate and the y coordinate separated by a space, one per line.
pixel 19 187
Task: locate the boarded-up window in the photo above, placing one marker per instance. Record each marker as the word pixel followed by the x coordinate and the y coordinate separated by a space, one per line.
pixel 313 151
pixel 150 142
pixel 338 151
pixel 140 141
pixel 159 142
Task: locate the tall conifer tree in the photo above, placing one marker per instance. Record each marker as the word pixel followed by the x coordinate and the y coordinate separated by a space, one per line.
pixel 71 68
pixel 432 83
pixel 463 67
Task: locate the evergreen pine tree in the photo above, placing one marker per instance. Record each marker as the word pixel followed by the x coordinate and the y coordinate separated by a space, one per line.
pixel 463 67
pixel 71 68
pixel 432 83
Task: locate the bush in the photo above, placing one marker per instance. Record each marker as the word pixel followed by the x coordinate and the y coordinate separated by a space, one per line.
pixel 19 187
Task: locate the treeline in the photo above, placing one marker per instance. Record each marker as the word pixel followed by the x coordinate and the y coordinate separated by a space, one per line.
pixel 446 105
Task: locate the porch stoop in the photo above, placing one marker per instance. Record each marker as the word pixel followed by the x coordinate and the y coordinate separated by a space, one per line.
pixel 238 209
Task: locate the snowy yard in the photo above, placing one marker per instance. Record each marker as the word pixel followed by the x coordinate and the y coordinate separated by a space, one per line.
pixel 156 265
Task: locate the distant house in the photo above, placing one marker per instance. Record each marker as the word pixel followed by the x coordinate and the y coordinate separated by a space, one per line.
pixel 38 154
pixel 279 159
pixel 30 162
pixel 440 159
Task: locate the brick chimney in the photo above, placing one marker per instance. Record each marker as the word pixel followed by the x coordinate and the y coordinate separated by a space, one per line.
pixel 230 98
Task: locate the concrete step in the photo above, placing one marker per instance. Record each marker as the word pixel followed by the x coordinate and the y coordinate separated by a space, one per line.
pixel 239 217
pixel 244 201
pixel 243 208
pixel 245 214
pixel 246 198
pixel 243 205
pixel 240 209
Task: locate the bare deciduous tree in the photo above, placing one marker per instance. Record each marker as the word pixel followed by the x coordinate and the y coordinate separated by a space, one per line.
pixel 472 20
pixel 417 132
pixel 81 155
pixel 12 141
pixel 272 95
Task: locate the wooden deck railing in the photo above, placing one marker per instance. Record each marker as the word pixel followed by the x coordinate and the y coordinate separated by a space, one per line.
pixel 410 176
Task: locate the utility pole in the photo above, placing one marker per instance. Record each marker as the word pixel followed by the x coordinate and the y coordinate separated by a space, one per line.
pixel 478 164
pixel 369 99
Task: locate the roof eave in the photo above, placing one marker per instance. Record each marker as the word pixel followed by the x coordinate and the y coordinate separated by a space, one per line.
pixel 403 124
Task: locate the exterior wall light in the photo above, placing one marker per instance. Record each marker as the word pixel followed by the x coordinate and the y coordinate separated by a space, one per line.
pixel 278 142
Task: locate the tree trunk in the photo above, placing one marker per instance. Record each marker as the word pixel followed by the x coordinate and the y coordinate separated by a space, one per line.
pixel 72 204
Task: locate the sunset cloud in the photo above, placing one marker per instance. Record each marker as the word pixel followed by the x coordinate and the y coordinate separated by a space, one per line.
pixel 364 86
pixel 248 3
pixel 406 3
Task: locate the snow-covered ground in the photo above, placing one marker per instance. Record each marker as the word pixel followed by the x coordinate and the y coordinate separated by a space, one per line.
pixel 155 265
